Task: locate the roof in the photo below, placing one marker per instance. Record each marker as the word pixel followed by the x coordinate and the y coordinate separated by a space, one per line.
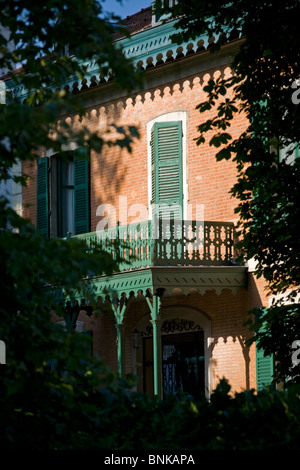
pixel 137 22
pixel 133 23
pixel 148 46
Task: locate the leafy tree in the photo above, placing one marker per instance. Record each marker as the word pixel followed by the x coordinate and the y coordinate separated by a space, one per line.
pixel 48 374
pixel 263 87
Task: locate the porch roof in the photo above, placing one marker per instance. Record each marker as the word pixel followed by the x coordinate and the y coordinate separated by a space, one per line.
pixel 163 281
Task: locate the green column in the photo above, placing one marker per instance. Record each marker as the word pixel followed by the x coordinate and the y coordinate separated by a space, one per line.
pixel 157 352
pixel 121 349
pixel 119 313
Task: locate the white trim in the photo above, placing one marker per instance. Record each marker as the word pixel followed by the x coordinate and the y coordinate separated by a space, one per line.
pixel 70 146
pixel 169 117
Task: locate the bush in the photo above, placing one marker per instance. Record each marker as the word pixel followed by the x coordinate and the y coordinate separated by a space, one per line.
pixel 246 421
pixel 81 404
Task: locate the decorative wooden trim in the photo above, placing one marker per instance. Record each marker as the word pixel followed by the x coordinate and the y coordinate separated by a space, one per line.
pixel 147 49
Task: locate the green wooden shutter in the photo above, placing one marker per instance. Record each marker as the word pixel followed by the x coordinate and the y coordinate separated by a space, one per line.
pixel 264 369
pixel 166 167
pixel 42 210
pixel 81 196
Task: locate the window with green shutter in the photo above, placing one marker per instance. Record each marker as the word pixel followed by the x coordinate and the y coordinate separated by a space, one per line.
pixel 42 211
pixel 65 209
pixel 264 367
pixel 166 169
pixel 64 194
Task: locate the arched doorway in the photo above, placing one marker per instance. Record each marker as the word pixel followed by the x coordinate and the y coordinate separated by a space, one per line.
pixel 185 334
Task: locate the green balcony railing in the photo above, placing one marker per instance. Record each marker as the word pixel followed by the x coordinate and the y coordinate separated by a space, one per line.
pixel 172 243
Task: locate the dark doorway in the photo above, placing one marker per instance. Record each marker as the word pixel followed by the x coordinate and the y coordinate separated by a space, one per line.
pixel 182 364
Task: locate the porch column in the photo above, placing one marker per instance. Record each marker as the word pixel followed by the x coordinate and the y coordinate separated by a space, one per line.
pixel 121 350
pixel 119 316
pixel 157 352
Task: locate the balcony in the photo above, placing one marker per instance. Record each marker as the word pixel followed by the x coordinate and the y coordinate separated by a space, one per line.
pixel 167 243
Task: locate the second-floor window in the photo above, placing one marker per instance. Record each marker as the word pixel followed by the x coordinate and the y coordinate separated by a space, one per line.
pixel 66 196
pixel 167 166
pixel 166 169
pixel 62 196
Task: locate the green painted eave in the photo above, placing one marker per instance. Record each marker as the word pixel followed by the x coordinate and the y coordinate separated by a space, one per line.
pixel 171 280
pixel 149 48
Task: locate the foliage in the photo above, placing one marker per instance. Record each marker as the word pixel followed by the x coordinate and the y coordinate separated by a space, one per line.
pixel 42 46
pixel 245 421
pixel 275 330
pixel 264 88
pixel 115 418
pixel 45 384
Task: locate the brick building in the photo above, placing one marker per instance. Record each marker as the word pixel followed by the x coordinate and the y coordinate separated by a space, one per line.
pixel 176 313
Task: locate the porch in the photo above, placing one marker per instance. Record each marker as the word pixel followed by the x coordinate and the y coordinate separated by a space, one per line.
pixel 160 260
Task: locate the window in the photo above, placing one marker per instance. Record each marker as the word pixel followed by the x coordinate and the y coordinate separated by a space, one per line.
pixel 264 368
pixel 167 166
pixel 66 196
pixel 12 190
pixel 166 169
pixel 62 195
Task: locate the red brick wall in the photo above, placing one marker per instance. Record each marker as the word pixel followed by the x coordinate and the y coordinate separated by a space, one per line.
pixel 118 173
pixel 29 191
